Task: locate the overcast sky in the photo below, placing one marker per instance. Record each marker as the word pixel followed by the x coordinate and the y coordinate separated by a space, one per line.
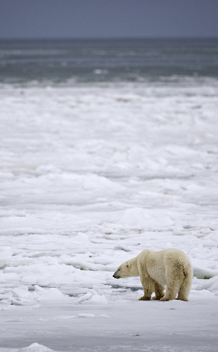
pixel 108 18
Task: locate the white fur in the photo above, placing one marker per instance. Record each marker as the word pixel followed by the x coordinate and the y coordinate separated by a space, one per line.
pixel 169 267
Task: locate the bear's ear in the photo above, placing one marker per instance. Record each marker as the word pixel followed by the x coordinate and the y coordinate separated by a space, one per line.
pixel 127 265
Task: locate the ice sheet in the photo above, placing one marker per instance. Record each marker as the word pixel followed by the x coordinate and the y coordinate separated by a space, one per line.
pixel 93 174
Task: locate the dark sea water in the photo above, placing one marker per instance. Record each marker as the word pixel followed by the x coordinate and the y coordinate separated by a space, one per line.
pixel 62 61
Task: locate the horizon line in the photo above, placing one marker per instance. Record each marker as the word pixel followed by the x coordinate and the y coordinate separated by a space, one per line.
pixel 110 38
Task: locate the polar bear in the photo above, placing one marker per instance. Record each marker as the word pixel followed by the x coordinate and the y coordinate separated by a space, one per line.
pixel 169 267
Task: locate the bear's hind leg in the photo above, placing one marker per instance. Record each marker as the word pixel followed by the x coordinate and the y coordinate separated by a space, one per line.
pixel 159 291
pixel 185 288
pixel 174 277
pixel 171 292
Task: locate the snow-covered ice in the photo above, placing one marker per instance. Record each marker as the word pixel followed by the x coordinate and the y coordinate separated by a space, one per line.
pixel 90 175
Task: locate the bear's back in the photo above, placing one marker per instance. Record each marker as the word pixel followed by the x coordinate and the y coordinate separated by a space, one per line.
pixel 158 261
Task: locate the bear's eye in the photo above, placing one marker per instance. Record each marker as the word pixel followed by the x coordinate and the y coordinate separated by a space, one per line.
pixel 127 265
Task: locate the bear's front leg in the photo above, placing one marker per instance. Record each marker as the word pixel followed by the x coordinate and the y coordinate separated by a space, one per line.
pixel 144 298
pixel 159 291
pixel 148 286
pixel 147 282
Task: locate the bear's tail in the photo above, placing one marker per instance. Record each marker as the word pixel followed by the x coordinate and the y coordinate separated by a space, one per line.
pixel 188 271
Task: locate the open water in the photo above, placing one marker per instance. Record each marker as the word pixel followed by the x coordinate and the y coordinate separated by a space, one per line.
pixel 134 60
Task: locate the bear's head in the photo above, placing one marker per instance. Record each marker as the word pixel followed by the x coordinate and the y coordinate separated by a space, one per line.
pixel 127 269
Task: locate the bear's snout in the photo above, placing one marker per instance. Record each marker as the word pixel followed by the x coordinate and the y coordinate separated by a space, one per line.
pixel 116 276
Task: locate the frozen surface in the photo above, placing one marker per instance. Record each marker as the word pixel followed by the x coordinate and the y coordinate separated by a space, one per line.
pixel 90 175
pixel 124 326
